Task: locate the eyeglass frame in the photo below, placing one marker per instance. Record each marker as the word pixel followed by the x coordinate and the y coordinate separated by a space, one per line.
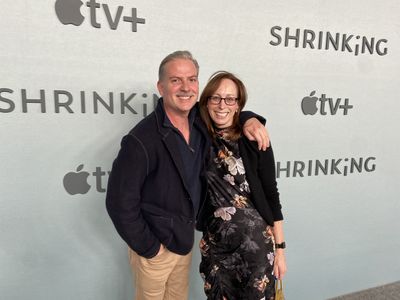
pixel 210 98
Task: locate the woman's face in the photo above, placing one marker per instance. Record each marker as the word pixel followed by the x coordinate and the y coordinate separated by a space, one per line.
pixel 222 114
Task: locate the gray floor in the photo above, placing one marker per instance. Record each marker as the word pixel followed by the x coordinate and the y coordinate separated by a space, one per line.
pixel 385 292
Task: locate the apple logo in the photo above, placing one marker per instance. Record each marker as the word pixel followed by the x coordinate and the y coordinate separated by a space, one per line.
pixel 309 104
pixel 76 182
pixel 69 12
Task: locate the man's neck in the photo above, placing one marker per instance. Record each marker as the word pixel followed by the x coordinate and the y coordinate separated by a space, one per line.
pixel 181 122
pixel 178 120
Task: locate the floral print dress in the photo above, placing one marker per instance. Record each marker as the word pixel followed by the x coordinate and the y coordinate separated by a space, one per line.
pixel 237 247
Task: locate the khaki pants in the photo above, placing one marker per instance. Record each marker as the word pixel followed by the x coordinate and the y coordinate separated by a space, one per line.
pixel 165 277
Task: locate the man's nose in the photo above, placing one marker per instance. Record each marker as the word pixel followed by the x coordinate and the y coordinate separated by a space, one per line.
pixel 185 85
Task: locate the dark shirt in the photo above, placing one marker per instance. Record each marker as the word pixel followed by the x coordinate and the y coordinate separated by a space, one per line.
pixel 192 157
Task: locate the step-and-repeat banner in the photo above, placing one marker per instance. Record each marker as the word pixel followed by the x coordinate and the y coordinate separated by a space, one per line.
pixel 75 76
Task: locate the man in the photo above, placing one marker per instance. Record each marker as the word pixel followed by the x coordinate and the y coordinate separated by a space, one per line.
pixel 156 184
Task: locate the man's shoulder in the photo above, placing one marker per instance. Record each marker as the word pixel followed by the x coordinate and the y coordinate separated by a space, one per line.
pixel 144 133
pixel 146 126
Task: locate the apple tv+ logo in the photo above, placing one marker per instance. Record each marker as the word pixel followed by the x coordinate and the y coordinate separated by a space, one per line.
pixel 69 13
pixel 311 104
pixel 77 182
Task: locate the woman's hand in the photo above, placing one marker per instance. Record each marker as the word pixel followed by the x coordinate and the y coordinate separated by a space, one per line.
pixel 279 264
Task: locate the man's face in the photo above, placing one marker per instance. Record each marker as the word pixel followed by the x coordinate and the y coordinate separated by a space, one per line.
pixel 179 87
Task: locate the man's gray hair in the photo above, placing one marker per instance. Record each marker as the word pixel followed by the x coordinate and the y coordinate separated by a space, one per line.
pixel 184 54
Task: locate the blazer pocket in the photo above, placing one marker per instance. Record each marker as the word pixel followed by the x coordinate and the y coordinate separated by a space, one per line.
pixel 161 227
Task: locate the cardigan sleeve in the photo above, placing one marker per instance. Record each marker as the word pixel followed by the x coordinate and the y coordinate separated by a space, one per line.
pixel 267 176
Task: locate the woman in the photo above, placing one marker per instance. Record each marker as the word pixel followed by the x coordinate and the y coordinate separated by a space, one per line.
pixel 242 245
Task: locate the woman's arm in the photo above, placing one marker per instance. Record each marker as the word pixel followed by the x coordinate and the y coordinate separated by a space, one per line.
pixel 280 260
pixel 267 176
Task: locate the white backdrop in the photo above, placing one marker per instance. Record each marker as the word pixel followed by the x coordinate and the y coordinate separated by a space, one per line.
pixel 61 89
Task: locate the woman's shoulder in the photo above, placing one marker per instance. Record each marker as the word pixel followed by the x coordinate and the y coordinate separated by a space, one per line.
pixel 243 140
pixel 248 147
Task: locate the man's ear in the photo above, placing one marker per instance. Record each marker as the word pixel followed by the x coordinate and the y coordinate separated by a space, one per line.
pixel 160 88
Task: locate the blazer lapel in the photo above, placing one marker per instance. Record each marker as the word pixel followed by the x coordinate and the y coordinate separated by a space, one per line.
pixel 171 144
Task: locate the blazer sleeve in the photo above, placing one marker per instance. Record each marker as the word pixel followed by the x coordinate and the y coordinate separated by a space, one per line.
pixel 267 175
pixel 123 199
pixel 246 115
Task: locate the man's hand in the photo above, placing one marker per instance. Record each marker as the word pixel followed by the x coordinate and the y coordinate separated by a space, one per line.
pixel 161 251
pixel 255 131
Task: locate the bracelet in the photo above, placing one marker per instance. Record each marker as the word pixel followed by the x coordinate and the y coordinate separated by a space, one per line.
pixel 280 246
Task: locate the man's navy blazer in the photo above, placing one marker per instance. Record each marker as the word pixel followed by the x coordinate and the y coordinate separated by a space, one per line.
pixel 147 195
